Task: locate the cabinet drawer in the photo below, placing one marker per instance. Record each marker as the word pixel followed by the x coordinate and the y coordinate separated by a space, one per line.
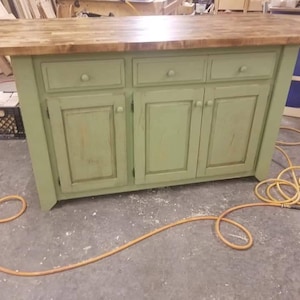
pixel 82 75
pixel 168 70
pixel 241 66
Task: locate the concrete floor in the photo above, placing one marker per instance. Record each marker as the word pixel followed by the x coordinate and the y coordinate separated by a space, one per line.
pixel 187 262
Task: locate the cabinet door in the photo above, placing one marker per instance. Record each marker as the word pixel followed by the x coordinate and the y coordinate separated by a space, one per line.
pixel 233 119
pixel 166 134
pixel 89 140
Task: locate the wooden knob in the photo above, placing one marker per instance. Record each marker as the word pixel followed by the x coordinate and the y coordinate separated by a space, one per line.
pixel 198 103
pixel 171 73
pixel 120 109
pixel 243 69
pixel 209 103
pixel 85 77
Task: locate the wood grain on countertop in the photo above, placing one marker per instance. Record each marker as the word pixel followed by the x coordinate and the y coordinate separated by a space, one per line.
pixel 83 35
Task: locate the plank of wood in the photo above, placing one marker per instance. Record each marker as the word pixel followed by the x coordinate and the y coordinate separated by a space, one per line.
pixel 19 10
pixel 5 61
pixel 54 6
pixel 4 14
pixel 6 5
pixel 171 8
pixel 41 11
pixel 13 8
pixel 34 9
pixel 5 66
pixel 25 8
pixel 46 5
pixel 78 35
pixel 3 11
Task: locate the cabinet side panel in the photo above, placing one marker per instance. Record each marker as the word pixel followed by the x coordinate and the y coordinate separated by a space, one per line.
pixel 278 100
pixel 34 127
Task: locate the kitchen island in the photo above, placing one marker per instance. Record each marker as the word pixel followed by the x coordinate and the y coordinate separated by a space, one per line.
pixel 121 104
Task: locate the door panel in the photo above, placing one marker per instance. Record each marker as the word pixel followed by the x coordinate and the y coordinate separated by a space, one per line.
pixel 86 161
pixel 90 141
pixel 230 131
pixel 167 129
pixel 233 118
pixel 161 140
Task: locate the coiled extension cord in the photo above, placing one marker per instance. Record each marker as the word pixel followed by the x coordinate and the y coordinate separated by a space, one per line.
pixel 273 186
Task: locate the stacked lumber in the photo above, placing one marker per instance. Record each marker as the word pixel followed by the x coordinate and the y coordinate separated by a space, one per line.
pixel 5 13
pixel 24 9
pixel 29 9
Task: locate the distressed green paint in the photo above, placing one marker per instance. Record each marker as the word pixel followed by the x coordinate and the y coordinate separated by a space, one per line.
pixel 89 140
pixel 166 134
pixel 162 70
pixel 34 128
pixel 277 103
pixel 242 66
pixel 173 137
pixel 234 118
pixel 84 74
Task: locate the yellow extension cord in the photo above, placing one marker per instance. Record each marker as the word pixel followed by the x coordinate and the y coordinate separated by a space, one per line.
pixel 277 183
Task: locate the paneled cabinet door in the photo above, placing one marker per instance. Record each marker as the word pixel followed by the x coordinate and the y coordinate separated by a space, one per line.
pixel 233 118
pixel 166 134
pixel 89 138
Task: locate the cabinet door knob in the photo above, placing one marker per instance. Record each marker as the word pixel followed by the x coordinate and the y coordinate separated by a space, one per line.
pixel 209 103
pixel 120 109
pixel 243 69
pixel 85 77
pixel 199 103
pixel 171 73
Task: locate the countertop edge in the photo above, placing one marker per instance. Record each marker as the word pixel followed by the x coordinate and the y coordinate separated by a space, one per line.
pixel 146 46
pixel 151 33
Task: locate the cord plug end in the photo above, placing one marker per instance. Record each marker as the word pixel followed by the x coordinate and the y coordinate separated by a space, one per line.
pixel 295 207
pixel 290 206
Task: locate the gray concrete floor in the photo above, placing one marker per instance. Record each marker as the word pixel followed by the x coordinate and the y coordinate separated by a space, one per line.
pixel 187 262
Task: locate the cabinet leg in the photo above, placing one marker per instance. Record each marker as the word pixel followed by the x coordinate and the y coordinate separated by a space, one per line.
pixel 34 128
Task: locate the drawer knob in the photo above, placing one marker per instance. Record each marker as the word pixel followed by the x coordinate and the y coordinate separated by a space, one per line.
pixel 209 103
pixel 243 69
pixel 171 73
pixel 120 109
pixel 85 77
pixel 199 103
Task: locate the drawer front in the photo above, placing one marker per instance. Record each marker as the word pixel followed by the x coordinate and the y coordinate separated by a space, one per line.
pixel 168 70
pixel 241 66
pixel 82 75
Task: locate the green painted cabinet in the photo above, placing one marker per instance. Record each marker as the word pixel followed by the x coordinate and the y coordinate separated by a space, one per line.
pixel 166 134
pixel 89 139
pixel 180 134
pixel 233 118
pixel 115 122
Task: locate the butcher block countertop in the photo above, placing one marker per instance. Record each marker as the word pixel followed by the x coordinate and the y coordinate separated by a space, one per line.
pixel 60 36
